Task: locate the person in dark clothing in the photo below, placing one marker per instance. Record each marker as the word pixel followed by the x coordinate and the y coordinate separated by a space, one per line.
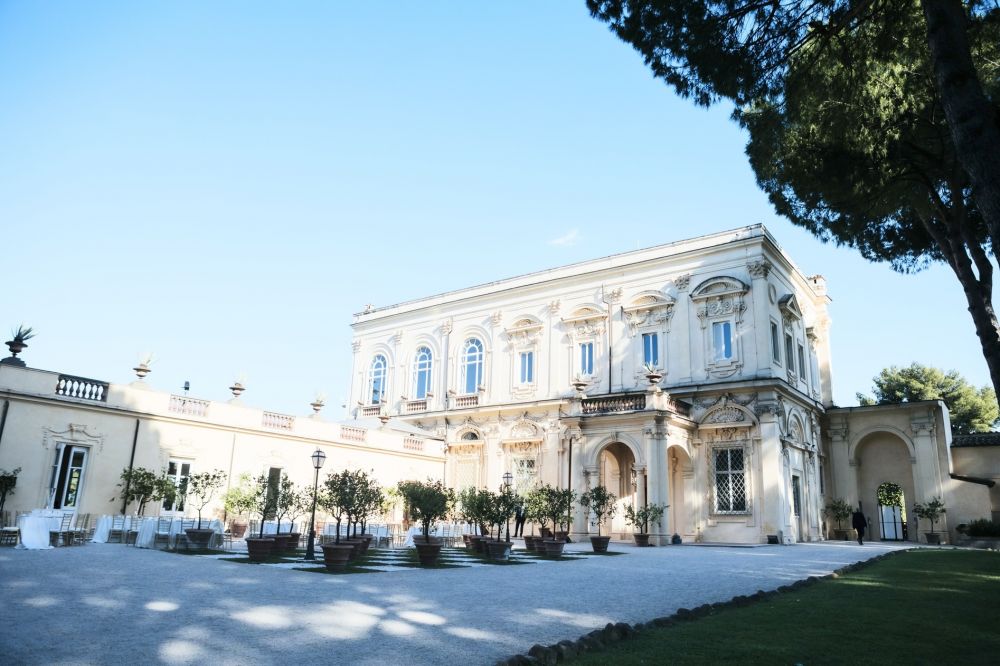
pixel 859 523
pixel 519 520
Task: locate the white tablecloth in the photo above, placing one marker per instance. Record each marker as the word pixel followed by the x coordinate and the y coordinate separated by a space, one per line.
pixel 102 530
pixel 148 530
pixel 35 529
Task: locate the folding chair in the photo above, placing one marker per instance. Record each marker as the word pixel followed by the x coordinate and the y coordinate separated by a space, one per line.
pixel 117 530
pixel 64 533
pixel 162 531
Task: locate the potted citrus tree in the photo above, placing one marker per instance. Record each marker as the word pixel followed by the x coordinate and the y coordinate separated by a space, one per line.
pixel 259 547
pixel 334 497
pixel 199 489
pixel 238 502
pixel 502 507
pixel 641 518
pixel 140 485
pixel 601 504
pixel 559 505
pixel 839 510
pixel 535 510
pixel 427 501
pixel 931 511
pixel 284 500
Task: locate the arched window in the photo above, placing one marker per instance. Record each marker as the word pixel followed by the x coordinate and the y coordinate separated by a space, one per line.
pixel 422 373
pixel 376 379
pixel 472 364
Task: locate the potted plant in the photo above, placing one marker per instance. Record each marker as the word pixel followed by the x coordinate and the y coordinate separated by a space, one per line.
pixel 238 501
pixel 371 500
pixel 199 489
pixel 931 511
pixel 641 518
pixel 259 547
pixel 299 503
pixel 653 375
pixel 427 501
pixel 559 504
pixel 601 504
pixel 143 486
pixel 284 499
pixel 8 480
pixel 17 343
pixel 535 513
pixel 334 498
pixel 502 507
pixel 839 510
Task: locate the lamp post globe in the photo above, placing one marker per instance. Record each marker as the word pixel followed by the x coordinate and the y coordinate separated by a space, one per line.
pixel 508 479
pixel 318 458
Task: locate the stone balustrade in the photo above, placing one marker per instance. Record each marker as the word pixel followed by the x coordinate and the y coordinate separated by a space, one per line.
pixel 82 388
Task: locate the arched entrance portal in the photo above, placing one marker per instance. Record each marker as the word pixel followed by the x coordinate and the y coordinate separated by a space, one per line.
pixel 681 474
pixel 615 465
pixel 884 462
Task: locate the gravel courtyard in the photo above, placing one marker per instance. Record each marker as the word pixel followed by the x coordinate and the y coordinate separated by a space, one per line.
pixel 111 604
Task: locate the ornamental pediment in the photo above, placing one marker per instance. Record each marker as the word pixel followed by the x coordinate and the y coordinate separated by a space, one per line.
pixel 789 307
pixel 650 308
pixel 524 329
pixel 586 313
pixel 717 287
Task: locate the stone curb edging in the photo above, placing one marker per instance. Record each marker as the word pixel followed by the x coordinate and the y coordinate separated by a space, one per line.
pixel 597 640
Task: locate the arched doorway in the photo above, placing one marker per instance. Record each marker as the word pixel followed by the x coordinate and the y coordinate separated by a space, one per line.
pixel 884 461
pixel 680 472
pixel 615 464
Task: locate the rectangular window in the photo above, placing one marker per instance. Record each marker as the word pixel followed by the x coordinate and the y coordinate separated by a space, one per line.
pixel 527 367
pixel 730 481
pixel 789 361
pixel 775 343
pixel 722 340
pixel 651 349
pixel 525 475
pixel 178 472
pixel 586 358
pixel 796 496
pixel 802 362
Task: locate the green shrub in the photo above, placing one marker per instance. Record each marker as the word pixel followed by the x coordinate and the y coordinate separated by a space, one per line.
pixel 983 528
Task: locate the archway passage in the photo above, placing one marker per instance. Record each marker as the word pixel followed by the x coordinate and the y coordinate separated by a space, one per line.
pixel 680 478
pixel 891 512
pixel 615 465
pixel 883 457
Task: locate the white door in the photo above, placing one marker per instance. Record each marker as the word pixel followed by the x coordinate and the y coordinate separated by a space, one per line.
pixel 178 472
pixel 67 488
pixel 892 523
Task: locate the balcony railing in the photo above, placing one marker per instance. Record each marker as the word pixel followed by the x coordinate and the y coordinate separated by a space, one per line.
pixel 82 388
pixel 615 404
pixel 188 406
pixel 413 444
pixel 416 406
pixel 467 401
pixel 352 434
pixel 276 421
pixel 373 410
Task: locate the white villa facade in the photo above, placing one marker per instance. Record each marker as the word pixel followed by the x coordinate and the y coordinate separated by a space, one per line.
pixel 694 374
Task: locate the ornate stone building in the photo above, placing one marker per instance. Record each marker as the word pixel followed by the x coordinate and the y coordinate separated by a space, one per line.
pixel 693 374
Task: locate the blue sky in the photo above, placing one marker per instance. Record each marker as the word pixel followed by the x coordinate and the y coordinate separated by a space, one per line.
pixel 225 184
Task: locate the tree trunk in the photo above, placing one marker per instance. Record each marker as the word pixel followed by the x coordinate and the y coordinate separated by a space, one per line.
pixel 970 116
pixel 985 319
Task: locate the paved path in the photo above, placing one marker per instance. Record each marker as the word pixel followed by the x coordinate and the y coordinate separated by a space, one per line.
pixel 111 604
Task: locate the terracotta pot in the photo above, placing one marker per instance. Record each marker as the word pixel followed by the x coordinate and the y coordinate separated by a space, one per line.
pixel 336 557
pixel 498 550
pixel 600 543
pixel 933 537
pixel 238 530
pixel 559 534
pixel 529 543
pixel 259 550
pixel 641 539
pixel 841 535
pixel 428 552
pixel 545 532
pixel 293 542
pixel 199 538
pixel 280 541
pixel 480 543
pixel 367 538
pixel 554 547
pixel 356 544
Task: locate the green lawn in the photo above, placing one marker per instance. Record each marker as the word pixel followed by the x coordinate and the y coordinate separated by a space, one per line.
pixel 918 607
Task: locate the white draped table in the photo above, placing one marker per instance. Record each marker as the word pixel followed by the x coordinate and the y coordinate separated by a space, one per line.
pixel 36 526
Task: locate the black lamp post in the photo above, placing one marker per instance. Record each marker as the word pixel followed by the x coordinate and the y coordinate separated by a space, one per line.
pixel 508 479
pixel 318 458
